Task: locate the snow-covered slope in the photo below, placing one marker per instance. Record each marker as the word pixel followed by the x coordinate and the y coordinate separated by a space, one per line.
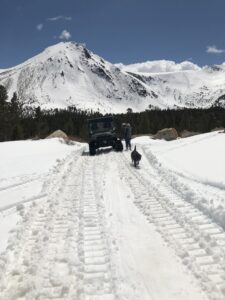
pixel 182 85
pixel 68 74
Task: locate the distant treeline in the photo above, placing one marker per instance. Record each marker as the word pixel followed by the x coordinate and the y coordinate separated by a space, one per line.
pixel 22 122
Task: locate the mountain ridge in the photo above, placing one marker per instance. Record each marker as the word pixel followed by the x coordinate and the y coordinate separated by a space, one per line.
pixel 68 74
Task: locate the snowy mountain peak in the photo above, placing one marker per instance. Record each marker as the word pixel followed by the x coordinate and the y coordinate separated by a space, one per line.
pixel 68 74
pixel 61 52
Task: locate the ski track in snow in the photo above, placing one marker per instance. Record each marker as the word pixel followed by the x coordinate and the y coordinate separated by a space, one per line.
pixel 196 238
pixel 24 189
pixel 23 180
pixel 24 201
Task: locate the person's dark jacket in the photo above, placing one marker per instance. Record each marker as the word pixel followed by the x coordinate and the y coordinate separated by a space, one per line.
pixel 127 133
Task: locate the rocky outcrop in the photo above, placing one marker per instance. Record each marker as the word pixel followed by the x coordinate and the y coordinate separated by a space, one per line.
pixel 167 134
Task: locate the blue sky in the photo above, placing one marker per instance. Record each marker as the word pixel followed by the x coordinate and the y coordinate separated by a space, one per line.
pixel 126 31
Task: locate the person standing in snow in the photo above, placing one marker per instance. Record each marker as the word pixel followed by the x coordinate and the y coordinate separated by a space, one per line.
pixel 127 136
pixel 122 133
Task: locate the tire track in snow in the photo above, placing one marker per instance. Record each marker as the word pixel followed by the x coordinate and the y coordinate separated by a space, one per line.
pixel 198 241
pixel 38 253
pixel 60 249
pixel 210 202
pixel 96 275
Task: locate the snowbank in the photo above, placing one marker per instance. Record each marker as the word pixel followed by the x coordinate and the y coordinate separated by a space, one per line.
pixel 200 157
pixel 194 168
pixel 25 167
pixel 28 157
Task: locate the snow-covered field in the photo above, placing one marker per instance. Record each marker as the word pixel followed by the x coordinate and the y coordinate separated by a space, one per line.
pixel 89 228
pixel 25 166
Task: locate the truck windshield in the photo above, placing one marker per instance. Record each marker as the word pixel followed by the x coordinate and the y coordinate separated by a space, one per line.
pixel 100 126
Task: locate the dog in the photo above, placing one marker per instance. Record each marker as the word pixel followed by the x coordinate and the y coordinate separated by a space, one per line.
pixel 135 157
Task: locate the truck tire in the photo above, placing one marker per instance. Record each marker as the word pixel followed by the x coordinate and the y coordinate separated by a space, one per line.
pixel 92 150
pixel 118 145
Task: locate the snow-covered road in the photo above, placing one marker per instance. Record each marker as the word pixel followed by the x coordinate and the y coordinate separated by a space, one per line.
pixel 105 230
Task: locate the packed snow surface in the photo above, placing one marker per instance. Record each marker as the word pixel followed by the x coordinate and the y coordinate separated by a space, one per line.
pixel 84 227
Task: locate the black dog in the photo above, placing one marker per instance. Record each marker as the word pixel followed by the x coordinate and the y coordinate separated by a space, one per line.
pixel 135 157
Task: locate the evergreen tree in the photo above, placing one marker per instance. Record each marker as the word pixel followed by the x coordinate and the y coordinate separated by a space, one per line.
pixel 3 95
pixel 69 127
pixel 4 114
pixel 15 108
pixel 17 132
pixel 15 105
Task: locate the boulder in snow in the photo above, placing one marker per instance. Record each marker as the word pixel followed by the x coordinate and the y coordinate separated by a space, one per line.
pixel 58 134
pixel 167 134
pixel 186 133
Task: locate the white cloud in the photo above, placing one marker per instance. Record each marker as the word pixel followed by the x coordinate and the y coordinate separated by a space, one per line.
pixel 57 18
pixel 159 66
pixel 214 50
pixel 40 26
pixel 65 35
